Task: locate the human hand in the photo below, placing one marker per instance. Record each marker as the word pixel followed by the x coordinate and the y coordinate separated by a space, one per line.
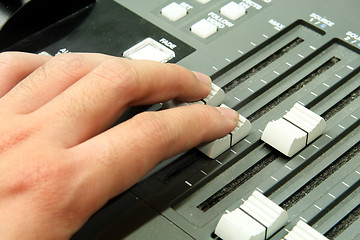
pixel 60 159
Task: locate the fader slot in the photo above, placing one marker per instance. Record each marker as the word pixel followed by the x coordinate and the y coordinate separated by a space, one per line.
pixel 238 181
pixel 341 104
pixel 180 165
pixel 298 29
pixel 316 181
pixel 344 224
pixel 263 64
pixel 293 89
pixel 308 85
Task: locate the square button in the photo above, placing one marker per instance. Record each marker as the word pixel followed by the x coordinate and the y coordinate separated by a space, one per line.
pixel 233 11
pixel 203 28
pixel 174 11
pixel 149 49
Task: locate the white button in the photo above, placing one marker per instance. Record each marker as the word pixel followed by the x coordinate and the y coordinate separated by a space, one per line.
pixel 203 1
pixel 174 11
pixel 233 11
pixel 149 49
pixel 203 28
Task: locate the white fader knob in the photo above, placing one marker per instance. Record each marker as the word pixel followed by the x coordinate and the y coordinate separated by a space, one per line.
pixel 241 130
pixel 294 130
pixel 303 231
pixel 214 148
pixel 266 212
pixel 237 225
pixel 257 219
pixel 307 120
pixel 284 136
pixel 215 98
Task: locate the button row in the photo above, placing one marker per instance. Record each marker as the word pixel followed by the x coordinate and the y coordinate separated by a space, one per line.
pixel 203 28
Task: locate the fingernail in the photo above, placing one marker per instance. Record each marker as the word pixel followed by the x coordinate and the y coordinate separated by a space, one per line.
pixel 203 78
pixel 229 113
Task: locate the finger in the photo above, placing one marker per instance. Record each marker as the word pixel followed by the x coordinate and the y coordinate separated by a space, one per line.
pixel 99 98
pixel 125 153
pixel 15 66
pixel 49 80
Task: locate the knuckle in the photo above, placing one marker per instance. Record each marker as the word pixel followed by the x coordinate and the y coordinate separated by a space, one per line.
pixel 118 75
pixel 34 179
pixel 71 64
pixel 154 128
pixel 7 60
pixel 181 74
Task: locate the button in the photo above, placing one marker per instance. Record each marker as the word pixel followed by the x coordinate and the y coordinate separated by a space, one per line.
pixel 203 29
pixel 174 11
pixel 233 11
pixel 203 1
pixel 303 231
pixel 149 49
pixel 295 130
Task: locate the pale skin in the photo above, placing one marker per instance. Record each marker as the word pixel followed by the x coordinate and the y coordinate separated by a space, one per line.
pixel 61 158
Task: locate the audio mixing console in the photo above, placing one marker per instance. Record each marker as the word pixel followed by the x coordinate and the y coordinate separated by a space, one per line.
pixel 266 56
